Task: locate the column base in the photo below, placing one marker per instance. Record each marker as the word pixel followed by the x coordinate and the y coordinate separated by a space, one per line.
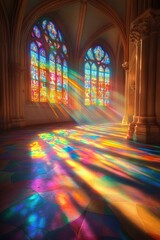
pixel 131 130
pixel 126 119
pixel 16 123
pixel 147 133
pixel 3 125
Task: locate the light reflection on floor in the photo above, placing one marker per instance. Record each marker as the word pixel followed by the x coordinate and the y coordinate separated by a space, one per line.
pixel 79 182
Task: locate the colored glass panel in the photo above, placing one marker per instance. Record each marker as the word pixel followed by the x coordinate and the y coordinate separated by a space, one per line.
pixel 59 78
pixel 107 86
pixel 99 53
pixel 64 49
pixel 43 92
pixel 49 77
pixel 52 77
pixel 65 82
pixel 97 77
pixel 52 30
pixel 90 54
pixel 87 84
pixel 42 52
pixel 44 24
pixel 106 59
pixel 35 90
pixel 52 94
pixel 51 57
pixel 43 75
pixel 33 47
pixel 52 73
pixel 34 58
pixel 60 36
pixel 42 59
pixel 39 44
pixel 93 84
pixel 101 86
pixel 37 31
pixel 46 38
pixel 87 71
pixel 52 68
pixel 34 72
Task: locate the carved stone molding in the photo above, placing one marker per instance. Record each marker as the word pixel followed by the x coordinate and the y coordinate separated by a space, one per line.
pixel 132 86
pixel 125 65
pixel 145 24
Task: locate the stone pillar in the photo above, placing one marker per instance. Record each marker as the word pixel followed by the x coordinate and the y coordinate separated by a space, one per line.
pixel 4 96
pixel 131 128
pixel 158 83
pixel 152 76
pixel 145 29
pixel 137 80
pixel 125 119
pixel 17 96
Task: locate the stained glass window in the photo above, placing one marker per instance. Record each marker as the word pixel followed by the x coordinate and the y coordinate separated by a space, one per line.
pixel 97 74
pixel 48 64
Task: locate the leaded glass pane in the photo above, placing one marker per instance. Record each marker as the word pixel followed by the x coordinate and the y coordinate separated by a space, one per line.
pixel 65 82
pixel 60 36
pixel 107 86
pixel 106 59
pixel 52 94
pixel 39 44
pixel 34 72
pixel 59 78
pixel 87 84
pixel 93 84
pixel 43 92
pixel 107 75
pixel 33 47
pixel 37 31
pixel 49 77
pixel 34 58
pixel 97 77
pixel 35 90
pixel 52 30
pixel 64 49
pixel 43 77
pixel 90 54
pixel 44 24
pixel 99 53
pixel 101 86
pixel 42 59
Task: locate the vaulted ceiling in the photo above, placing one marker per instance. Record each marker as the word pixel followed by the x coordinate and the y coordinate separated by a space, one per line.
pixel 84 22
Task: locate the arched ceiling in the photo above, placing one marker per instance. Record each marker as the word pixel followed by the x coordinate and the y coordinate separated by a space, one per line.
pixel 83 21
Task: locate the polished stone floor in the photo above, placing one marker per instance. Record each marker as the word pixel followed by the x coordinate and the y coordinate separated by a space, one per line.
pixel 78 182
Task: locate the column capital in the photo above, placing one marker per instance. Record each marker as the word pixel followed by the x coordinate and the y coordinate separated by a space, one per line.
pixel 125 65
pixel 145 24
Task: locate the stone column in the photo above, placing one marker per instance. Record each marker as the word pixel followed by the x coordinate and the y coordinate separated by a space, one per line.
pixel 137 44
pixel 145 29
pixel 157 109
pixel 137 80
pixel 152 76
pixel 125 119
pixel 17 96
pixel 4 96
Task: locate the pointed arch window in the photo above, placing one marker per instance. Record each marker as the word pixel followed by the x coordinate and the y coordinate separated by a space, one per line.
pixel 97 74
pixel 48 64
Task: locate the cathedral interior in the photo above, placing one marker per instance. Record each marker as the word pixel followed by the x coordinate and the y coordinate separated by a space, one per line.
pixel 80 120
